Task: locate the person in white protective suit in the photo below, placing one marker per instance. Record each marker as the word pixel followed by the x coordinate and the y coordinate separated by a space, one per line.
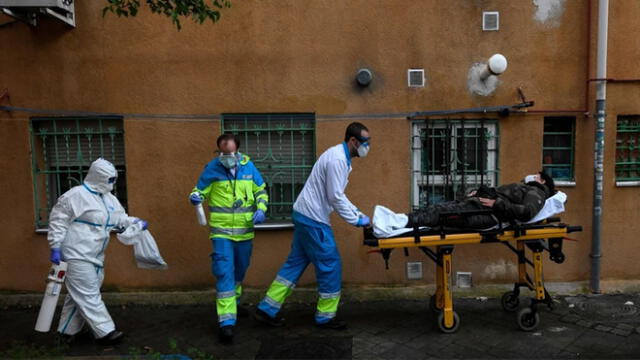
pixel 79 227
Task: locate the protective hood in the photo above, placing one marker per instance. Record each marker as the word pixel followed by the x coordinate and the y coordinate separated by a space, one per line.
pixel 98 177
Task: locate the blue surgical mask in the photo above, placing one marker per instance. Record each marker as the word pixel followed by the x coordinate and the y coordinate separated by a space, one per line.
pixel 529 178
pixel 229 160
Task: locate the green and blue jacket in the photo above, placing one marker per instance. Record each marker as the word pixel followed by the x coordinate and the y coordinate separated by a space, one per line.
pixel 232 199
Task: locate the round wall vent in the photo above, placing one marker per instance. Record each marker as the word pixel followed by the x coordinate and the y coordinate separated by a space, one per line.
pixel 364 77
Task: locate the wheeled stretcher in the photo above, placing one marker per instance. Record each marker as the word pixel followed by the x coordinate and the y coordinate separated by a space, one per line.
pixel 438 244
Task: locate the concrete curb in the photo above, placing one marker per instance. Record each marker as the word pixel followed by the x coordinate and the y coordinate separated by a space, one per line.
pixel 300 295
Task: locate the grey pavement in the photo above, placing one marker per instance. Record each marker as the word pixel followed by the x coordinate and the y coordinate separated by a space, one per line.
pixel 592 327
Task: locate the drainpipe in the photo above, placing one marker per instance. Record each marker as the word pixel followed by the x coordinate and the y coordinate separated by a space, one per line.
pixel 600 116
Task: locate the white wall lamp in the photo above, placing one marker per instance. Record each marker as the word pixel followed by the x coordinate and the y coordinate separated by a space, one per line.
pixel 483 77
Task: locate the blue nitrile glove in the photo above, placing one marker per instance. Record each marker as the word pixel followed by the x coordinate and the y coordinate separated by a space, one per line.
pixel 55 256
pixel 143 223
pixel 258 217
pixel 195 198
pixel 363 221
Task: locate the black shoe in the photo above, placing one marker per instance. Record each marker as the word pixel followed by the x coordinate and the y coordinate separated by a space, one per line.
pixel 82 336
pixel 334 324
pixel 243 312
pixel 64 339
pixel 264 318
pixel 226 334
pixel 67 339
pixel 111 338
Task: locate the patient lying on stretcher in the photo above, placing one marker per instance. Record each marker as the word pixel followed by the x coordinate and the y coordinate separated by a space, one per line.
pixel 529 201
pixel 518 201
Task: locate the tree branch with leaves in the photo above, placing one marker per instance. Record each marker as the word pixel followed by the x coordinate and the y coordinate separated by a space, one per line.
pixel 198 10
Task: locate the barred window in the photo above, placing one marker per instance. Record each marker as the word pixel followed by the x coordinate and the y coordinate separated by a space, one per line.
pixel 63 148
pixel 628 149
pixel 452 157
pixel 558 147
pixel 282 146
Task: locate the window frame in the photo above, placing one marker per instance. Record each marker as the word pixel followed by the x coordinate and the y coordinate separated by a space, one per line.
pixel 569 181
pixel 285 222
pixel 43 194
pixel 492 170
pixel 626 182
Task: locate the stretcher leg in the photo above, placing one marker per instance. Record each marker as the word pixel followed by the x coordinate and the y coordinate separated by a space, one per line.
pixel 528 318
pixel 448 320
pixel 438 298
pixel 522 263
pixel 511 299
pixel 537 276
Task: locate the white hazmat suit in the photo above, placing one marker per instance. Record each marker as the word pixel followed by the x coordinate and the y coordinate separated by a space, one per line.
pixel 79 225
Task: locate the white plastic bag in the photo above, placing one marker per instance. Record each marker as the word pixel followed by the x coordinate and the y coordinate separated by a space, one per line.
pixel 387 224
pixel 145 249
pixel 552 206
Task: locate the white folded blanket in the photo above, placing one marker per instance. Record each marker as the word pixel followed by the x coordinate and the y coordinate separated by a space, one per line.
pixel 388 224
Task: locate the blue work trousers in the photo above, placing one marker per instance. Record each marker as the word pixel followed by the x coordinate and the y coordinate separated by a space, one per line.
pixel 230 260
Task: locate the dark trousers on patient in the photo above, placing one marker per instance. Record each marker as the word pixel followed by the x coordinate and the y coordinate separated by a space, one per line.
pixel 430 216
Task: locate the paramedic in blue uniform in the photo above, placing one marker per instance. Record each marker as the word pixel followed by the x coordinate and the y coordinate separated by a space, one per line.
pixel 313 240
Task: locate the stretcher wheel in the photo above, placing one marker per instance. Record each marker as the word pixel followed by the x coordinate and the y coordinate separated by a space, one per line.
pixel 558 258
pixel 510 301
pixel 433 304
pixel 446 330
pixel 528 320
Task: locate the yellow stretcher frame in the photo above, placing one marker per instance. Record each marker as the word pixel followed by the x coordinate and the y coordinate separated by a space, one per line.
pixel 538 238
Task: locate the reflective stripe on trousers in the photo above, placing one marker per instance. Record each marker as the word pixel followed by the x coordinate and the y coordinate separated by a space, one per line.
pixel 311 244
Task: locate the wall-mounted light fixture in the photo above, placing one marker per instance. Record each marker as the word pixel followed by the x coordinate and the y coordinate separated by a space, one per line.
pixel 483 77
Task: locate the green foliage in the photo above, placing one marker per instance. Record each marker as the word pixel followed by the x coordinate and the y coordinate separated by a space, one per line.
pixel 198 10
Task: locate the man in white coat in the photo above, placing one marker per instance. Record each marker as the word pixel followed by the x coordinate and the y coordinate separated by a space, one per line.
pixel 313 240
pixel 79 227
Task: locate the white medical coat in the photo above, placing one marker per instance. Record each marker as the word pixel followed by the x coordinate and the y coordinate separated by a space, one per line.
pixel 323 192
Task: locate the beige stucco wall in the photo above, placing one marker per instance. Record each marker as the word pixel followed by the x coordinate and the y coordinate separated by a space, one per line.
pixel 297 56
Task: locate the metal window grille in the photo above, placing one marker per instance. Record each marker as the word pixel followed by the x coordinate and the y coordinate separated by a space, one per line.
pixel 63 148
pixel 452 157
pixel 558 147
pixel 628 148
pixel 283 148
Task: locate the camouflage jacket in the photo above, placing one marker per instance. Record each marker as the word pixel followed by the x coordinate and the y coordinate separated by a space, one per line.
pixel 520 201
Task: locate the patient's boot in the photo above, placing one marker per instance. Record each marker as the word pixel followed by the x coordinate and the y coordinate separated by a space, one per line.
pixel 410 222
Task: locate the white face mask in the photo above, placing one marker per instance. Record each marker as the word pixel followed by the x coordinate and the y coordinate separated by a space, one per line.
pixel 363 150
pixel 228 160
pixel 529 178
